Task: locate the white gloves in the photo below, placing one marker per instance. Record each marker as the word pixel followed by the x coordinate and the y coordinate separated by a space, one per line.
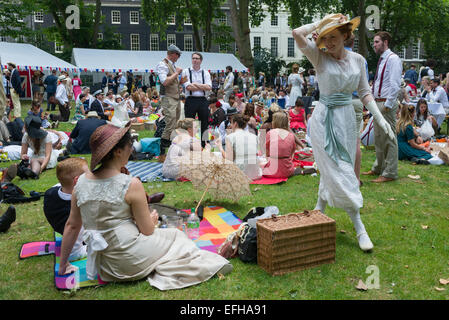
pixel 372 107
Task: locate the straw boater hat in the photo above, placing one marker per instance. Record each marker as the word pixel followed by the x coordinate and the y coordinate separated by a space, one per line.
pixel 103 140
pixel 92 114
pixel 334 21
pixel 12 64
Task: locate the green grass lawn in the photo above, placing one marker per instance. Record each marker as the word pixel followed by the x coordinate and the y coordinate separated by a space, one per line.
pixel 411 258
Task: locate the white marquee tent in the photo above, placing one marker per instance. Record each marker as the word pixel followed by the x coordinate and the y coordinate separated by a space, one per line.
pixel 99 60
pixel 29 57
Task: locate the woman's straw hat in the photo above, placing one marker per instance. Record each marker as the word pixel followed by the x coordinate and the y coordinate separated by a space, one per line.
pixel 103 140
pixel 332 22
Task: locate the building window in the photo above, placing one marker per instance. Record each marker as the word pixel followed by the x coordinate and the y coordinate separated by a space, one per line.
pixel 18 18
pixel 274 46
pixel 188 42
pixel 59 48
pixel 171 19
pixel 100 36
pixel 224 48
pixel 223 19
pixel 416 49
pixel 291 48
pixel 115 17
pixel 38 16
pixel 257 42
pixel 171 39
pixel 187 21
pixel 3 39
pixel 401 53
pixel 204 41
pixel 134 17
pixel 135 41
pixel 154 42
pixel 274 21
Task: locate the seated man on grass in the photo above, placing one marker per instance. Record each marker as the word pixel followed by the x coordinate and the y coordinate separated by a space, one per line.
pixel 58 198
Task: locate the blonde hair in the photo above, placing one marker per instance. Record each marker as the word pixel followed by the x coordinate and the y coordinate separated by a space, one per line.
pixel 406 117
pixel 185 124
pixel 280 120
pixel 68 169
pixel 295 68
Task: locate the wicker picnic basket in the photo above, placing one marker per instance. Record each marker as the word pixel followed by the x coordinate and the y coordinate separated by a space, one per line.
pixel 295 241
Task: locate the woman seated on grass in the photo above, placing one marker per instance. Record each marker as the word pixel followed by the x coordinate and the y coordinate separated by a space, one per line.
pixel 408 147
pixel 241 147
pixel 297 116
pixel 251 113
pixel 122 240
pixel 39 141
pixel 280 148
pixel 80 113
pixel 182 144
pixel 423 114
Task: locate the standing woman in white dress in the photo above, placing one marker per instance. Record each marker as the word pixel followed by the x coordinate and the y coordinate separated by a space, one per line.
pixel 295 83
pixel 333 123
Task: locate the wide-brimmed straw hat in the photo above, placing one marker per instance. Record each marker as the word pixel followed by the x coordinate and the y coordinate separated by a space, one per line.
pixel 103 140
pixel 334 21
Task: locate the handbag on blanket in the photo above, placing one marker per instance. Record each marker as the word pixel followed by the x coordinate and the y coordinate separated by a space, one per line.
pixel 247 247
pixel 229 248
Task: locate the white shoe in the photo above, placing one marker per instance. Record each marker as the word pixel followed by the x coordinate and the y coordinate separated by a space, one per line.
pixel 364 242
pixel 79 254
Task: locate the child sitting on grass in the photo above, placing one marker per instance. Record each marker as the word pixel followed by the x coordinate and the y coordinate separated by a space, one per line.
pixel 57 200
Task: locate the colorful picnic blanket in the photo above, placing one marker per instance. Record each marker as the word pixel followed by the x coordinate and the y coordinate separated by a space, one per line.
pixel 216 225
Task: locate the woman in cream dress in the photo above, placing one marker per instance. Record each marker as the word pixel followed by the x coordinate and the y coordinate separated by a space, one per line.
pixel 333 123
pixel 123 243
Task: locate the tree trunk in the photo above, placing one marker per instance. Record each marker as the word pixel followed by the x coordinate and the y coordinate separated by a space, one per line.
pixel 363 45
pixel 208 27
pixel 240 26
pixel 195 23
pixel 96 24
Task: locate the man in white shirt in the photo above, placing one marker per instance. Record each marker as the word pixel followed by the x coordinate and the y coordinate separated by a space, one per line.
pixel 197 84
pixel 228 85
pixel 62 100
pixel 436 93
pixel 386 87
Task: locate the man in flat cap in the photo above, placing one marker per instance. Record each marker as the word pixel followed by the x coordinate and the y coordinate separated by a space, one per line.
pixel 16 89
pixel 170 92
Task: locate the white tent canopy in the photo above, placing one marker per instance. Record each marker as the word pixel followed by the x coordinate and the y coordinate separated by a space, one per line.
pixel 27 56
pixel 99 60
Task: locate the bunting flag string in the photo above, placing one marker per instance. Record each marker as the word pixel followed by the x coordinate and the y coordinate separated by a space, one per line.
pixel 77 69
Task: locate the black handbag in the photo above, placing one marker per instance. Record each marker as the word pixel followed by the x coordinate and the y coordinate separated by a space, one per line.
pixel 248 244
pixel 24 170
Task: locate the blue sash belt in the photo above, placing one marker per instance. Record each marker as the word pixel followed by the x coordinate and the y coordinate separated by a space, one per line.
pixel 332 145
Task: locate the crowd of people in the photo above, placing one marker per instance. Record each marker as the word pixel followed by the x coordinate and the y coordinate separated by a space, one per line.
pixel 103 212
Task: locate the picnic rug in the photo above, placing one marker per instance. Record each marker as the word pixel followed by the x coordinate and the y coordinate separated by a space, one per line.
pixel 216 225
pixel 146 171
pixel 268 180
